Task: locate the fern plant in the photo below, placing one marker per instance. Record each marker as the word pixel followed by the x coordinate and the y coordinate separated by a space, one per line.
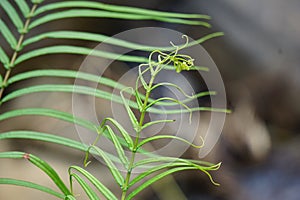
pixel 23 17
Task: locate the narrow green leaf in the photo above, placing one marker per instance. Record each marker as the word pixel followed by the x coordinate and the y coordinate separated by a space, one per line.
pixel 77 50
pixel 89 37
pixel 116 8
pixel 94 78
pixel 131 115
pixel 113 169
pixel 88 190
pixel 190 44
pixel 49 113
pixel 167 99
pixel 97 93
pixel 12 154
pixel 117 145
pixel 178 111
pixel 1 81
pixel 58 115
pixel 4 59
pixel 157 137
pixel 114 41
pixel 12 13
pixel 164 159
pixel 45 137
pixel 171 85
pixel 201 40
pixel 23 7
pixel 105 14
pixel 198 95
pixel 101 188
pixel 10 38
pixel 66 74
pixel 40 136
pixel 175 162
pixel 157 122
pixel 155 169
pixel 62 88
pixel 138 100
pixel 143 175
pixel 141 77
pixel 28 184
pixel 154 179
pixel 171 99
pixel 120 128
pixel 44 166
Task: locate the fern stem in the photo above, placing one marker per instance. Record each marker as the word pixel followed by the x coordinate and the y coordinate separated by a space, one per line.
pixel 136 143
pixel 15 54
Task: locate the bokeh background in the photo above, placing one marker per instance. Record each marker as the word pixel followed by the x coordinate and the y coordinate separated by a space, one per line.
pixel 259 59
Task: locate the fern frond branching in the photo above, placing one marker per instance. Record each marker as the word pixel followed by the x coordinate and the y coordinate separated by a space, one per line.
pixel 24 16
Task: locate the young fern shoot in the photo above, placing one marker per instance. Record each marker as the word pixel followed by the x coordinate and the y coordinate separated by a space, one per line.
pixel 129 186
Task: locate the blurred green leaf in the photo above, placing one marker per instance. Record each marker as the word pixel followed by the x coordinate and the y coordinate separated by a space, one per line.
pixel 45 137
pixel 72 13
pixel 87 36
pixel 94 78
pixel 114 41
pixel 23 6
pixel 10 38
pixel 65 74
pixel 116 8
pixel 77 50
pixel 28 184
pixel 49 113
pixel 66 117
pixel 12 13
pixel 97 93
pixel 62 88
pixel 44 166
pixel 4 59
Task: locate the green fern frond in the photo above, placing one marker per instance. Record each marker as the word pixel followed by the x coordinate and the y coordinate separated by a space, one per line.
pixel 22 17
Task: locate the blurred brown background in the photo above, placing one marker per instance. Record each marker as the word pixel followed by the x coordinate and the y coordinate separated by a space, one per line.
pixel 259 61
